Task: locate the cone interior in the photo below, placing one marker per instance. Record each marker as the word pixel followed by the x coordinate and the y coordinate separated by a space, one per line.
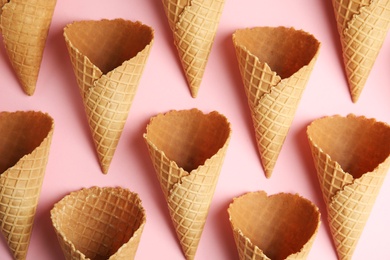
pixel 285 50
pixel 98 221
pixel 21 133
pixel 279 225
pixel 358 144
pixel 108 43
pixel 188 137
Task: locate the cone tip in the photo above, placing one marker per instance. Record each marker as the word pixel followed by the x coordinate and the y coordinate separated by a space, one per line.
pixel 194 91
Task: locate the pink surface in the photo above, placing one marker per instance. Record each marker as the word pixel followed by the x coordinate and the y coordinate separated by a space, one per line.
pixel 73 162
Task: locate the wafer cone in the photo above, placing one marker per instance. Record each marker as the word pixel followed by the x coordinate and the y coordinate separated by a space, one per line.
pixel 25 139
pixel 351 155
pixel 108 59
pixel 275 65
pixel 194 25
pixel 187 149
pixel 99 223
pixel 362 26
pixel 281 226
pixel 25 25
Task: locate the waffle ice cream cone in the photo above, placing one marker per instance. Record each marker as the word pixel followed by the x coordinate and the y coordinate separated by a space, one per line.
pixel 99 223
pixel 362 26
pixel 194 25
pixel 187 149
pixel 24 25
pixel 280 226
pixel 352 156
pixel 275 64
pixel 25 139
pixel 108 58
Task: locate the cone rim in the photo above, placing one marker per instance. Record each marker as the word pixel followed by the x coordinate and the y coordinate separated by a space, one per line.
pixel 60 205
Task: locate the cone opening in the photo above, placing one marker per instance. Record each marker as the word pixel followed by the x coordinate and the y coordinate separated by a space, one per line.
pixel 279 225
pixel 20 134
pixel 285 50
pixel 108 43
pixel 189 137
pixel 98 221
pixel 358 144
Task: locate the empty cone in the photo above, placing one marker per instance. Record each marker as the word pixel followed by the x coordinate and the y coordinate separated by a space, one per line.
pixel 281 226
pixel 25 25
pixel 108 59
pixel 362 26
pixel 351 155
pixel 25 139
pixel 99 223
pixel 194 25
pixel 187 149
pixel 275 65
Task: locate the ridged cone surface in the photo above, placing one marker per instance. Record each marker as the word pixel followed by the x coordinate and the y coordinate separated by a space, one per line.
pixel 194 25
pixel 99 223
pixel 362 26
pixel 352 156
pixel 108 59
pixel 187 149
pixel 275 65
pixel 25 26
pixel 25 139
pixel 281 226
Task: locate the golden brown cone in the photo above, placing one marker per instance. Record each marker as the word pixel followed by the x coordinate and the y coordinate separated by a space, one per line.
pixel 187 149
pixel 25 139
pixel 275 65
pixel 352 156
pixel 362 26
pixel 281 226
pixel 194 25
pixel 108 59
pixel 25 26
pixel 99 223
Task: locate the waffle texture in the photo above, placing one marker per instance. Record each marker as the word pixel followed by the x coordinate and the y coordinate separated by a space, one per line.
pixel 187 149
pixel 362 26
pixel 275 64
pixel 281 226
pixel 99 223
pixel 108 59
pixel 24 25
pixel 25 139
pixel 352 156
pixel 194 25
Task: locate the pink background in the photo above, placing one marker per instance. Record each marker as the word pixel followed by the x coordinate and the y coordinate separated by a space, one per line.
pixel 73 163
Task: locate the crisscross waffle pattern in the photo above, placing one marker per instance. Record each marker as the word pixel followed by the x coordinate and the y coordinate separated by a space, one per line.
pixel 263 226
pixel 20 184
pixel 194 25
pixel 362 26
pixel 99 223
pixel 272 100
pixel 188 192
pixel 25 25
pixel 107 97
pixel 349 200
